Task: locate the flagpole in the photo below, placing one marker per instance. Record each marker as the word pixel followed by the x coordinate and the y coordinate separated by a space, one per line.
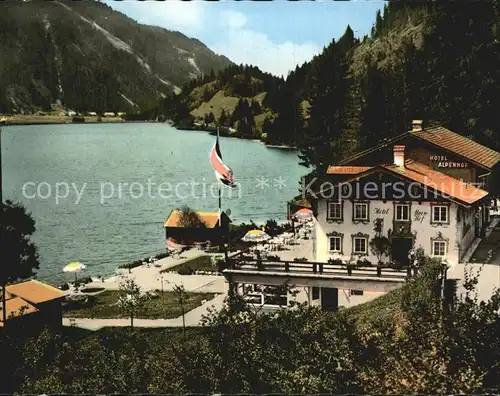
pixel 220 192
pixel 220 215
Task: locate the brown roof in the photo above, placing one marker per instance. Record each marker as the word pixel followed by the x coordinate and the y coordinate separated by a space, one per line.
pixel 447 186
pixel 209 218
pixel 460 145
pixel 441 182
pixel 35 292
pixel 346 170
pixel 444 138
pixel 16 307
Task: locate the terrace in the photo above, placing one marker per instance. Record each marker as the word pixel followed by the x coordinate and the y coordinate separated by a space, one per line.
pixel 316 274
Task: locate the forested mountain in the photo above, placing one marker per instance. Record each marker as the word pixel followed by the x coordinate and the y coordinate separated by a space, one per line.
pixel 85 56
pixel 236 97
pixel 436 61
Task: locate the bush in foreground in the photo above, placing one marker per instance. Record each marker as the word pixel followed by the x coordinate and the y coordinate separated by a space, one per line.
pixel 403 342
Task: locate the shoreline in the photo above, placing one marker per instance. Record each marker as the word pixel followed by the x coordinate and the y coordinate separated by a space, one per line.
pixel 281 147
pixel 56 120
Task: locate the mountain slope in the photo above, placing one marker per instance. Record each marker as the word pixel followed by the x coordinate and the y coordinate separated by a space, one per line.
pixel 236 98
pixel 88 57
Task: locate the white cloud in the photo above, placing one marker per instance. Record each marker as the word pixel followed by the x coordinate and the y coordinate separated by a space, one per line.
pixel 234 20
pixel 226 32
pixel 247 46
pixel 188 17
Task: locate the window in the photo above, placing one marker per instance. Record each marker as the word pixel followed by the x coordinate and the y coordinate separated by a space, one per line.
pixel 402 212
pixel 360 245
pixel 360 211
pixel 335 244
pixel 252 293
pixel 440 214
pixel 275 295
pixel 315 293
pixel 354 292
pixel 264 295
pixel 334 211
pixel 439 248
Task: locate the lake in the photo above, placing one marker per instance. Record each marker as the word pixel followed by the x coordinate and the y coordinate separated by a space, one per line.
pixel 99 193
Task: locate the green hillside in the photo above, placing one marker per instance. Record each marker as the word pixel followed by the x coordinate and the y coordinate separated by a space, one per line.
pixel 235 99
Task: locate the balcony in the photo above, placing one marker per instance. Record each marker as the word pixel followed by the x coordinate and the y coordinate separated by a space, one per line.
pixel 381 279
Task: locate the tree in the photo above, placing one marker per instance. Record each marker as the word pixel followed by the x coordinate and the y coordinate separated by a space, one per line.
pixel 188 218
pixel 380 245
pixel 211 118
pixel 256 109
pixel 19 254
pixel 223 119
pixel 131 299
pixel 415 351
pixel 181 295
pixel 379 25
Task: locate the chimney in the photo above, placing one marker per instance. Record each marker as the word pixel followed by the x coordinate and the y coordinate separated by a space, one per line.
pixel 399 155
pixel 416 125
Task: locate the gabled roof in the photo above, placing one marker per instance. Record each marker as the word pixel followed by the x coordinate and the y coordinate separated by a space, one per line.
pixel 210 219
pixel 346 170
pixel 445 139
pixel 449 187
pixel 35 292
pixel 16 307
pixel 460 145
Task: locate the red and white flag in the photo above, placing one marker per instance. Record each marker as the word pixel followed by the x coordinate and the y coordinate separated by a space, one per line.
pixel 222 171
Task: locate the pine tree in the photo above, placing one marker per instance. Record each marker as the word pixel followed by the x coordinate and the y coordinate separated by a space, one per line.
pixel 256 109
pixel 379 24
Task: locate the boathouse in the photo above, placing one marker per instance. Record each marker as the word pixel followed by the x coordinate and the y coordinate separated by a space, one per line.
pixel 214 231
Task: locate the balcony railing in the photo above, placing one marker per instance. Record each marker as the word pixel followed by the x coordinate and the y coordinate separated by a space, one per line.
pixel 308 268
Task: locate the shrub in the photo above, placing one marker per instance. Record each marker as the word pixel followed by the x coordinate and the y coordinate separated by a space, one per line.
pixel 134 264
pixel 202 263
pixel 273 257
pixel 296 259
pixel 363 263
pixel 380 246
pixel 161 255
pixel 185 270
pixel 83 281
pixel 64 286
pixel 92 289
pixel 335 262
pixel 221 265
pixel 77 119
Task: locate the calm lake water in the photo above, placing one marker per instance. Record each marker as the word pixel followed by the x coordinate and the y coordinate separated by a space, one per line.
pixel 99 193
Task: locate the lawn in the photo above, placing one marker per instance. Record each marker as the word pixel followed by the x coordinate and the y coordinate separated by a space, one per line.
pixel 201 263
pixel 166 306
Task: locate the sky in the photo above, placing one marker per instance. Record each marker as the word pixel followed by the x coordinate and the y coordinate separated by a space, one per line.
pixel 275 36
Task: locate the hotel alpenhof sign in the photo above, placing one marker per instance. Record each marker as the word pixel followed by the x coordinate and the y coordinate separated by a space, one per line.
pixel 443 162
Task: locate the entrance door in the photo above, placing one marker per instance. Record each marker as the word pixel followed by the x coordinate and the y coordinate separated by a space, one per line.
pixel 400 249
pixel 329 298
